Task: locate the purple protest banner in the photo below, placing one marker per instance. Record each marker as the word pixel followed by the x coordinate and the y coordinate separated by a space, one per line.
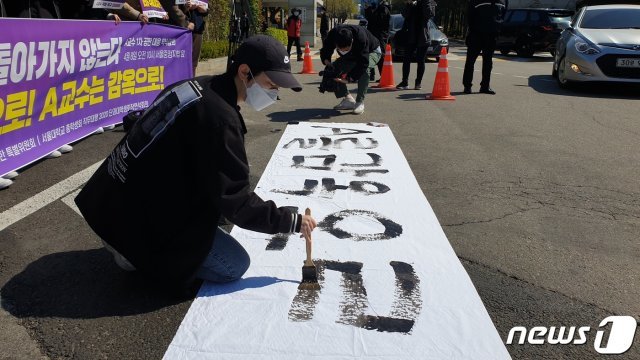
pixel 108 4
pixel 153 8
pixel 62 79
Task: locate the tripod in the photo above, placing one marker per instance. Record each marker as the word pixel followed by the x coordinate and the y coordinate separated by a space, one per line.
pixel 236 31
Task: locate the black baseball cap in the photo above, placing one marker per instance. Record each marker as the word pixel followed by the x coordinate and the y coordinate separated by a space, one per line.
pixel 265 53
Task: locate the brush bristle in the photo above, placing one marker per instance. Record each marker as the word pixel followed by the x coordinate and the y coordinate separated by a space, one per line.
pixel 308 285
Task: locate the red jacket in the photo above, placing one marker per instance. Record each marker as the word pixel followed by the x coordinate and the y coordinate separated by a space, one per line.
pixel 294 24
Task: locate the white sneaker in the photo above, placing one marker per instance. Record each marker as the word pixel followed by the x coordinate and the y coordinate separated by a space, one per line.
pixel 110 127
pixel 359 108
pixel 54 154
pixel 5 183
pixel 10 175
pixel 65 148
pixel 346 104
pixel 98 131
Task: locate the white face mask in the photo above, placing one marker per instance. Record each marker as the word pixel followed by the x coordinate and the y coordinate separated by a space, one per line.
pixel 343 52
pixel 258 97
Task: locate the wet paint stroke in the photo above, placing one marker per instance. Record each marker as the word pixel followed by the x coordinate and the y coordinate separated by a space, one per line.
pixel 301 143
pixel 342 131
pixel 329 188
pixel 279 241
pixel 391 228
pixel 405 309
pixel 376 161
pixel 363 173
pixel 330 144
pixel 327 163
pixel 329 160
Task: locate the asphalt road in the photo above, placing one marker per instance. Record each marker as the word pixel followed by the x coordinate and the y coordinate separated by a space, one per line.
pixel 536 188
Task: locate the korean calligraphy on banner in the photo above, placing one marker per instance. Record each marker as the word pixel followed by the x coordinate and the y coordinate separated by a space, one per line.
pixel 60 80
pixel 391 285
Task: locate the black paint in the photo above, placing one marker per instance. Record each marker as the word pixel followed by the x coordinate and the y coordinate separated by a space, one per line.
pixel 391 228
pixel 326 143
pixel 358 145
pixel 376 161
pixel 309 187
pixel 363 173
pixel 358 186
pixel 343 131
pixel 329 160
pixel 301 143
pixel 386 324
pixel 329 188
pixel 404 310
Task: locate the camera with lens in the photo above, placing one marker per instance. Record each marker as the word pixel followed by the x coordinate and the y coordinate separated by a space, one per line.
pixel 328 83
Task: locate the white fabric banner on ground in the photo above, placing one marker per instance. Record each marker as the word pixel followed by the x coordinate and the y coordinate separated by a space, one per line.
pixel 391 285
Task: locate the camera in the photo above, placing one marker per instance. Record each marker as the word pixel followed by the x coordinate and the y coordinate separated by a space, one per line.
pixel 328 83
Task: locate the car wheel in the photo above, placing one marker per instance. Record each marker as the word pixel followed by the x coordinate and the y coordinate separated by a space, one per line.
pixel 505 51
pixel 524 48
pixel 562 74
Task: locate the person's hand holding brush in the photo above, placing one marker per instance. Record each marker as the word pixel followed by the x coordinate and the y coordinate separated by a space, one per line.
pixel 308 224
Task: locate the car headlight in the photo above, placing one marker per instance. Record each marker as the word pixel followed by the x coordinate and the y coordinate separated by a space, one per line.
pixel 444 42
pixel 584 47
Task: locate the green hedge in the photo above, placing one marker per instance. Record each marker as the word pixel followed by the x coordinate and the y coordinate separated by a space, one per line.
pixel 214 49
pixel 217 49
pixel 279 34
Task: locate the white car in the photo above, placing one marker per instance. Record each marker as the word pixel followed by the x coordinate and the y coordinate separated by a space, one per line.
pixel 602 44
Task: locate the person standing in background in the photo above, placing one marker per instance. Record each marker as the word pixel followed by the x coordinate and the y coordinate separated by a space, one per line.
pixel 416 16
pixel 324 24
pixel 294 25
pixel 196 14
pixel 484 20
pixel 379 27
pixel 244 26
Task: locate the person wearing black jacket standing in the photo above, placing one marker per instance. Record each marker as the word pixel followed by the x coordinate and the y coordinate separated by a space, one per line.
pixel 416 15
pixel 378 24
pixel 359 51
pixel 196 14
pixel 484 20
pixel 195 132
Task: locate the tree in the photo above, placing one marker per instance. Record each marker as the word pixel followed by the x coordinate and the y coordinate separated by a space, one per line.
pixel 341 9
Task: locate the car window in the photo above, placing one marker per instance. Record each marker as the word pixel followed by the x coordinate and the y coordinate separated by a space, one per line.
pixel 518 16
pixel 535 16
pixel 611 19
pixel 396 22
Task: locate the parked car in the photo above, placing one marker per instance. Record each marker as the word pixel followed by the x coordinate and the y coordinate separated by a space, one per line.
pixel 527 31
pixel 602 44
pixel 438 38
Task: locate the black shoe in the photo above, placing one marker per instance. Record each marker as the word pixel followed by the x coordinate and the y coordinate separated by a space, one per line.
pixel 487 91
pixel 402 86
pixel 300 59
pixel 467 89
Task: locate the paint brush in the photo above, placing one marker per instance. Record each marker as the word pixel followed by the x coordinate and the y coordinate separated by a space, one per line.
pixel 309 270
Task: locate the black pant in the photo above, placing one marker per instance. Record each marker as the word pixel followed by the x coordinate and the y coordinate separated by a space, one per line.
pixel 477 43
pixel 421 54
pixel 290 42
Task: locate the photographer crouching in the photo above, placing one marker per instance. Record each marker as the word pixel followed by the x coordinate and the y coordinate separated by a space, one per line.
pixel 359 51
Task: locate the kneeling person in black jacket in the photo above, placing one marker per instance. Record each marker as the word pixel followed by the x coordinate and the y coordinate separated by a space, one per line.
pixel 359 51
pixel 194 131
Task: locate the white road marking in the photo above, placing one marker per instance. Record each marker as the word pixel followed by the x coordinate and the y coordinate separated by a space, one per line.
pixel 69 201
pixel 521 77
pixel 46 197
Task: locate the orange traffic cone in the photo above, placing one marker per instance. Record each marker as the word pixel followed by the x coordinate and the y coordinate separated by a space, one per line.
pixel 386 78
pixel 441 90
pixel 307 65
